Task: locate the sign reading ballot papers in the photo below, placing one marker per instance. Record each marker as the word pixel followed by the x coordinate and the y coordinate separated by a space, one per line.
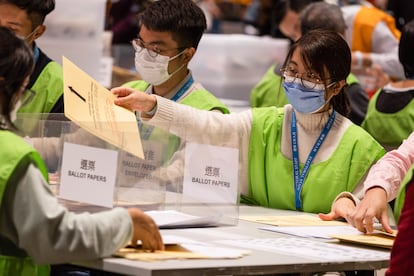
pixel 86 170
pixel 91 106
pixel 211 172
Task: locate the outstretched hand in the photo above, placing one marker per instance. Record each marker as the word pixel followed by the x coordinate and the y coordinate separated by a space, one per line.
pixel 145 230
pixel 374 205
pixel 340 209
pixel 133 100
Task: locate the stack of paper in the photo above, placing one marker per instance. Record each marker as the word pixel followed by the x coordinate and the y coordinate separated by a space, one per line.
pixel 308 226
pixel 182 248
pixel 175 219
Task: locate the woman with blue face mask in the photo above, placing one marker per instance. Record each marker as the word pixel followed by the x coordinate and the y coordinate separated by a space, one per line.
pixel 299 157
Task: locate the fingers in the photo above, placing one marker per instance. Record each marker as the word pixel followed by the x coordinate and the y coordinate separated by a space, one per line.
pixel 121 91
pixel 124 102
pixel 154 243
pixel 329 216
pixel 358 218
pixel 385 223
pixel 145 230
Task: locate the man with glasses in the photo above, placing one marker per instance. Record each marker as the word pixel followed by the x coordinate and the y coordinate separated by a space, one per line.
pixel 169 33
pixel 168 37
pixel 25 18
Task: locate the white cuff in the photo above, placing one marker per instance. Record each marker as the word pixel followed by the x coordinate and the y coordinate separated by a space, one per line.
pixel 359 59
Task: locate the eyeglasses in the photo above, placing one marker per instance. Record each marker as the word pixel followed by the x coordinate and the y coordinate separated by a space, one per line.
pixel 27 97
pixel 308 79
pixel 153 50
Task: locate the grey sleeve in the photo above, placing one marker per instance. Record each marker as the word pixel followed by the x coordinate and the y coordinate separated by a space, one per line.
pixel 32 218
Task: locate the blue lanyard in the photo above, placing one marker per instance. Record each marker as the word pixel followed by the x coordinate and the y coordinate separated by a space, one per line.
pixel 299 178
pixel 36 53
pixel 183 89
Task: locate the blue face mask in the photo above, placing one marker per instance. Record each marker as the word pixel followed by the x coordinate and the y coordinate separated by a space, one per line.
pixel 305 100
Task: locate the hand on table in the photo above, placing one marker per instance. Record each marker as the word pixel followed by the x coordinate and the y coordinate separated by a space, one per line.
pixel 145 230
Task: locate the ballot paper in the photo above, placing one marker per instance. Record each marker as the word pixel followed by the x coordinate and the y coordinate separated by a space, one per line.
pixel 175 219
pixel 346 233
pixel 91 106
pixel 321 232
pixel 310 248
pixel 377 239
pixel 309 226
pixel 295 220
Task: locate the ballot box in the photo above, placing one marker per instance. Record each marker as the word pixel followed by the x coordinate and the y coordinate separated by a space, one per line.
pixel 183 172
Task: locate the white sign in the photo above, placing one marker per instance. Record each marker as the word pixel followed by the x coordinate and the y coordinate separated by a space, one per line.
pixel 134 169
pixel 88 174
pixel 211 173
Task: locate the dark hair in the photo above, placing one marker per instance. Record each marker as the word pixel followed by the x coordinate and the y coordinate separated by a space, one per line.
pixel 281 7
pixel 321 15
pixel 326 53
pixel 405 50
pixel 16 64
pixel 183 18
pixel 36 9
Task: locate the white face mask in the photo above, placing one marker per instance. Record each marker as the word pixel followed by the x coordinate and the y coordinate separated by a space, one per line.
pixel 13 112
pixel 154 70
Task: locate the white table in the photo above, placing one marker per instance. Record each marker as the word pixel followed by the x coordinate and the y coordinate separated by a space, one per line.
pixel 259 262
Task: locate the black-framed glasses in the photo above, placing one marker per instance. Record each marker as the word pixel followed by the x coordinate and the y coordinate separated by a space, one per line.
pixel 152 49
pixel 28 96
pixel 308 79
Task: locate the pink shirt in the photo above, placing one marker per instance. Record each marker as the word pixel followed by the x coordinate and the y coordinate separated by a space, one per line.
pixel 391 169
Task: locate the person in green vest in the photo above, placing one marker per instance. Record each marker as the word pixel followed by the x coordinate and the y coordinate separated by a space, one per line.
pixel 390 116
pixel 35 230
pixel 299 157
pixel 26 20
pixel 168 37
pixel 269 92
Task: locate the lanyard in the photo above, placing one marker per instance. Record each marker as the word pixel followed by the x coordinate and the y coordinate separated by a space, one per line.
pixel 148 129
pixel 183 89
pixel 36 53
pixel 299 178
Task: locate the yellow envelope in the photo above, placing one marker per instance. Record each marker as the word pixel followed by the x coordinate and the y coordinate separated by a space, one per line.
pixel 91 106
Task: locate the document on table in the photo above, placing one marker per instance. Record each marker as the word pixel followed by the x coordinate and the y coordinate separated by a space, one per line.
pixel 345 233
pixel 322 232
pixel 91 106
pixel 175 219
pixel 308 226
pixel 311 249
pixel 378 239
pixel 295 220
pixel 177 247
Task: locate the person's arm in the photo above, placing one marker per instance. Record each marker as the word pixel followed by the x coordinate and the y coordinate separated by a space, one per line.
pixel 32 218
pixel 385 51
pixel 343 204
pixel 381 186
pixel 192 124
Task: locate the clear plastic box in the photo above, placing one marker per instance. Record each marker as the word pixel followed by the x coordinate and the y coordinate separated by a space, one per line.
pixel 229 65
